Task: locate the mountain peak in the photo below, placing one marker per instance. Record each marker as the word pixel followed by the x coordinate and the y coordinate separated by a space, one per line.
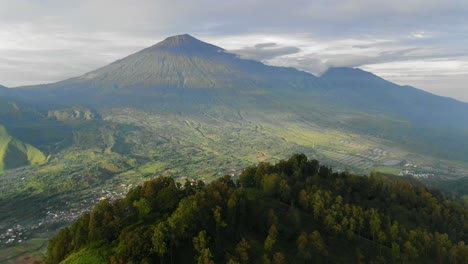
pixel 185 44
pixel 179 40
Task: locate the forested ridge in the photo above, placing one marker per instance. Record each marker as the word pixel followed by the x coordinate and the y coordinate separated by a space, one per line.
pixel 295 211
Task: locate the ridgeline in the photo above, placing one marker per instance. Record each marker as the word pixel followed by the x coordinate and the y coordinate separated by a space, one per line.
pixel 295 211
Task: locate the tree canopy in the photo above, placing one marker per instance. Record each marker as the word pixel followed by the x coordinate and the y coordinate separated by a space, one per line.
pixel 295 211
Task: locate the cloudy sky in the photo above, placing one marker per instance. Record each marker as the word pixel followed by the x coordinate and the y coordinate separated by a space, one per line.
pixel 423 43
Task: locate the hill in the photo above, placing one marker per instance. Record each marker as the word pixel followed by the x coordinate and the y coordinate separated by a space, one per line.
pixel 364 90
pixel 295 211
pixel 27 133
pixel 14 153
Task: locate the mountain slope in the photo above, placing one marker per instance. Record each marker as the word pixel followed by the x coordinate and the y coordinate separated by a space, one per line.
pixel 186 76
pixel 14 153
pixel 184 62
pixel 366 91
pixel 185 68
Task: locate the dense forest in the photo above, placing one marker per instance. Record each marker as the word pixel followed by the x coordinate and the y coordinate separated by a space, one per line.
pixel 295 211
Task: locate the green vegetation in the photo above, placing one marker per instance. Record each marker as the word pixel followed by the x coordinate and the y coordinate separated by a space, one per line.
pixel 388 170
pixel 294 211
pixel 14 153
pixel 130 145
pixel 86 256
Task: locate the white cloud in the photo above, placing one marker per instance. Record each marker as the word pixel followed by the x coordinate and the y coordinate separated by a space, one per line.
pixel 446 77
pixel 265 51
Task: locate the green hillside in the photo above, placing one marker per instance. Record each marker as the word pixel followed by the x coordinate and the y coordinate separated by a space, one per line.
pixel 14 153
pixel 295 211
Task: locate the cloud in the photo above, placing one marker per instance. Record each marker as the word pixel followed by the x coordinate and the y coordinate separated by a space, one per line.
pixel 445 80
pixel 361 46
pixel 356 60
pixel 265 45
pixel 310 64
pixel 265 51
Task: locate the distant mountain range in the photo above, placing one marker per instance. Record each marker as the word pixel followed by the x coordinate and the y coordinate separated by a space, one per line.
pixel 182 74
pixel 185 68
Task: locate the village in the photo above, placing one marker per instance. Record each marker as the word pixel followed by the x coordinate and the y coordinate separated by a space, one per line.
pixel 55 217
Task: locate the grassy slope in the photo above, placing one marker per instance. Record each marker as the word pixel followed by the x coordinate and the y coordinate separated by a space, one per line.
pixel 4 140
pixel 14 153
pixel 85 256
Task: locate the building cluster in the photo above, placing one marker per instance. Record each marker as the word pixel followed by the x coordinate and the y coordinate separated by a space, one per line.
pixel 14 235
pixel 416 175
